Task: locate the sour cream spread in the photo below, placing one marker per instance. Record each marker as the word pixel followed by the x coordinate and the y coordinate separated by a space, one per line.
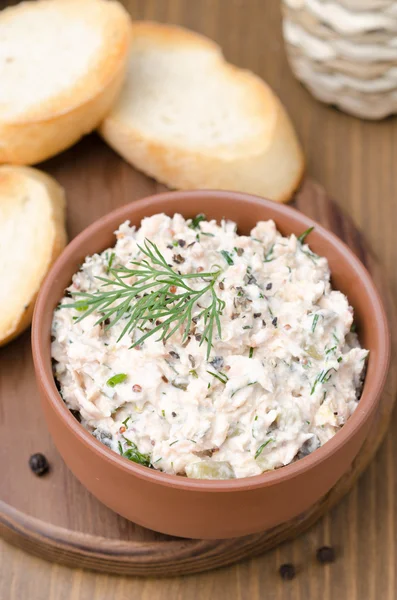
pixel 282 379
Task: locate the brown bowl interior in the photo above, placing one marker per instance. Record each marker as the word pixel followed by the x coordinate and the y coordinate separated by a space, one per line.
pixel 348 276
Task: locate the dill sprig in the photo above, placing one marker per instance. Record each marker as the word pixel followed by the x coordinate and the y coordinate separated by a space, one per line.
pixel 158 293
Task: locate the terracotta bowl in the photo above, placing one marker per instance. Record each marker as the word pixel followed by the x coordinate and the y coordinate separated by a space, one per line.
pixel 211 509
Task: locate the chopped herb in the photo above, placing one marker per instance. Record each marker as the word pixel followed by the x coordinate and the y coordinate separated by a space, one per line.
pixel 315 383
pixel 119 378
pixel 340 359
pixel 315 320
pixel 262 446
pixel 175 243
pixel 208 234
pixel 303 236
pixel 313 257
pixel 82 307
pixel 322 377
pixel 180 386
pixel 126 421
pixel 251 353
pixel 223 378
pixel 163 412
pixel 330 349
pixel 353 328
pixel 195 222
pixel 269 254
pixel 110 262
pixel 247 327
pixel 174 443
pixel 227 257
pixel 193 373
pixel 158 460
pixel 241 388
pixel 335 338
pixel 133 454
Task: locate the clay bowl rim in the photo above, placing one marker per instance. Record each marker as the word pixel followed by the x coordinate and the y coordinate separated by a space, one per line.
pixel 368 401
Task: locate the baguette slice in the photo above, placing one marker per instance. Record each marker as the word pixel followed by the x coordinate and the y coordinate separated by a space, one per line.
pixel 191 120
pixel 62 64
pixel 32 234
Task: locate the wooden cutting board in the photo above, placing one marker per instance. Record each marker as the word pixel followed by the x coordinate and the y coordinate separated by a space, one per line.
pixel 54 517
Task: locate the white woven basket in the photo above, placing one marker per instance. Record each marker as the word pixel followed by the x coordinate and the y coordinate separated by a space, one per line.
pixel 345 52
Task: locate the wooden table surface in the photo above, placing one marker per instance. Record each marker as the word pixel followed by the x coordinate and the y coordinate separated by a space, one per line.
pixel 355 161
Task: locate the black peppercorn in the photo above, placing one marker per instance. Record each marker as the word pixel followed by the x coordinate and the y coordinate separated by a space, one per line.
pixel 287 571
pixel 39 464
pixel 269 286
pixel 178 259
pixel 325 554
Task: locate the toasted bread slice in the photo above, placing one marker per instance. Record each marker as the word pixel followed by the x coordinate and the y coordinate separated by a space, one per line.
pixel 32 234
pixel 191 120
pixel 62 64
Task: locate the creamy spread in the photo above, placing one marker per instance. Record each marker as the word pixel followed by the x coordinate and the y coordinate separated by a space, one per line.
pixel 282 379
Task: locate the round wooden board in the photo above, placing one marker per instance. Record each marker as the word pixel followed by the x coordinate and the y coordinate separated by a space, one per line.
pixel 54 517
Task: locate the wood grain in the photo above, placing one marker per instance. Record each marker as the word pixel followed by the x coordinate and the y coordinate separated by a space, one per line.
pixel 355 161
pixel 69 528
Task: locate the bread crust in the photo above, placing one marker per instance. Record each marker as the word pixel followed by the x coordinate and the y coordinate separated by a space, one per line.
pixel 269 165
pixel 55 124
pixel 17 315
